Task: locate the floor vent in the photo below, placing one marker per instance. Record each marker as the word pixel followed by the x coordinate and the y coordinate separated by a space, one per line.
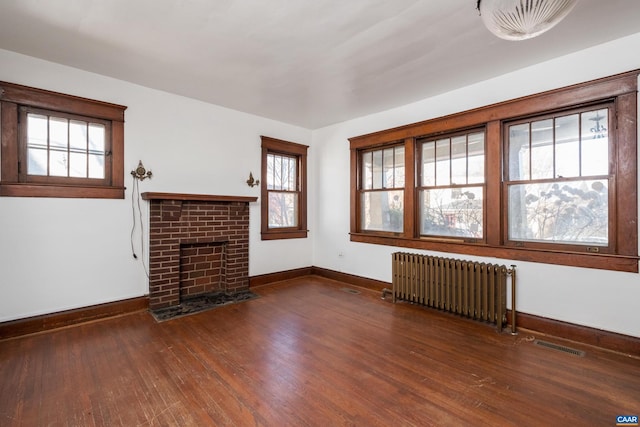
pixel 350 291
pixel 560 348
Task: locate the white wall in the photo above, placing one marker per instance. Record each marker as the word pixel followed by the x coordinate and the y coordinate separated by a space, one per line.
pixel 58 254
pixel 600 299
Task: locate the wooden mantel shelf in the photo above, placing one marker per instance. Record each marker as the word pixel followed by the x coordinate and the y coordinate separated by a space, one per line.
pixel 196 197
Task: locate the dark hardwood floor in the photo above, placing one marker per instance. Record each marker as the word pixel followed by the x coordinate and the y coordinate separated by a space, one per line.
pixel 308 353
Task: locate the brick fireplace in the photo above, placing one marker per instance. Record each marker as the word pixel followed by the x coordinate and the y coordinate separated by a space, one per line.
pixel 198 244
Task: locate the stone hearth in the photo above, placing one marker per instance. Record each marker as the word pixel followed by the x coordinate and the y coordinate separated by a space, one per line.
pixel 198 244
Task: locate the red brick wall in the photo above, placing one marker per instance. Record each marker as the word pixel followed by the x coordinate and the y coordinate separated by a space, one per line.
pixel 181 226
pixel 202 268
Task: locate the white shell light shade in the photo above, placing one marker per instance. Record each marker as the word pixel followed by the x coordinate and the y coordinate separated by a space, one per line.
pixel 523 19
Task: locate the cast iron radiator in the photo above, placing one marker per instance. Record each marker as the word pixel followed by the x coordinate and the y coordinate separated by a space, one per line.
pixel 471 289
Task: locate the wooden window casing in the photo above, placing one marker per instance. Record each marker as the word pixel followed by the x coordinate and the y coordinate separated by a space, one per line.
pixel 620 91
pixel 15 102
pixel 298 188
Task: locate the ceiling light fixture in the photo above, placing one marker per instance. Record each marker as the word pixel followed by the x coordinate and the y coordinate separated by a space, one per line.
pixel 522 19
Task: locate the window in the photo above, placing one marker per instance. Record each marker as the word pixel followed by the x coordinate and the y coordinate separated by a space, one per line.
pixel 549 178
pixel 284 195
pixel 558 183
pixel 382 189
pixel 452 186
pixel 56 145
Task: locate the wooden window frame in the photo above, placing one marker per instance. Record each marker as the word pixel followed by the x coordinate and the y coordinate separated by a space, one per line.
pixel 620 89
pixel 292 149
pixel 14 182
pixel 362 190
pixel 420 187
pixel 611 177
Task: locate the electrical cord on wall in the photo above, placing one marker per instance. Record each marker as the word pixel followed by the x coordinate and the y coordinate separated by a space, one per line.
pixel 135 196
pixel 133 214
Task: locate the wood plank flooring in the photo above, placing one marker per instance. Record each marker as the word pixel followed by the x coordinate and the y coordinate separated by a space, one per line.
pixel 307 353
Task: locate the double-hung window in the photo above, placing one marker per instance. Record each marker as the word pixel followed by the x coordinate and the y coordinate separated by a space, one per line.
pixel 382 189
pixel 451 190
pixel 284 189
pixel 558 185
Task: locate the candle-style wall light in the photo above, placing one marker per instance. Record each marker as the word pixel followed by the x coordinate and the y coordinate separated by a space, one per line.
pixel 252 182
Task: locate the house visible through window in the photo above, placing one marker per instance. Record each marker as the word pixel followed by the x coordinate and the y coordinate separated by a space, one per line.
pixel 57 145
pixel 283 189
pixel 452 186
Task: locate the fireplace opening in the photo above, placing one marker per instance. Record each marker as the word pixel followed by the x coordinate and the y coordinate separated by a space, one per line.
pixel 202 268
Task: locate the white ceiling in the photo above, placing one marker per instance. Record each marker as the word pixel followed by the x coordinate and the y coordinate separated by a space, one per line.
pixel 308 63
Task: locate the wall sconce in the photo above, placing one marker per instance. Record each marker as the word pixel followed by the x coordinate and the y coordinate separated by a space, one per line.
pixel 140 172
pixel 252 182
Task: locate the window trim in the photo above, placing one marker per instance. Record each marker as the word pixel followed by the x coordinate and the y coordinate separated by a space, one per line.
pixel 621 88
pixel 12 98
pixel 299 151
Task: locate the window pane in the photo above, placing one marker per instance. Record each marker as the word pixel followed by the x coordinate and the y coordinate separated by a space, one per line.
pixel 292 174
pixel 37 162
pixel 399 162
pixel 459 160
pixel 429 164
pixel 283 209
pixel 273 171
pixel 542 149
pixel 57 163
pixel 475 158
pixel 37 131
pixel 595 143
pixel 58 132
pixel 96 166
pixel 367 170
pixel 570 212
pixel 78 165
pixel 96 137
pixel 78 135
pixel 277 172
pixel 377 169
pixel 519 152
pixel 383 210
pixel 388 160
pixel 452 212
pixel 567 146
pixel 443 162
pixel 284 173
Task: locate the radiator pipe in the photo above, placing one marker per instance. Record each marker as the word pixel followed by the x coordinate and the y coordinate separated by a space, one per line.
pixel 512 272
pixel 386 291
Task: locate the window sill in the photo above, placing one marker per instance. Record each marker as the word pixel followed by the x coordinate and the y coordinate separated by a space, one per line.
pixel 60 191
pixel 573 259
pixel 284 234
